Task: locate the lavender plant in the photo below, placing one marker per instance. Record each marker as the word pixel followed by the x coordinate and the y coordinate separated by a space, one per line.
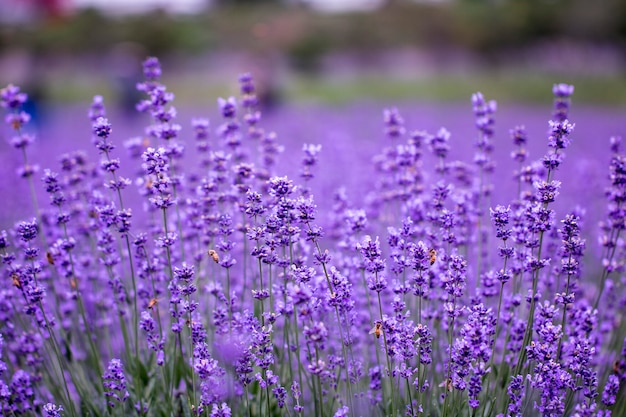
pixel 210 283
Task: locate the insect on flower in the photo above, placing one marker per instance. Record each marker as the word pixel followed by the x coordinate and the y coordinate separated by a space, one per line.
pixel 190 323
pixel 377 329
pixel 16 281
pixel 49 258
pixel 447 384
pixel 152 303
pixel 214 255
pixel 433 256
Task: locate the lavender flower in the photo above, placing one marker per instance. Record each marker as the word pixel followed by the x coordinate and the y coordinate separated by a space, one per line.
pixel 310 160
pixel 12 98
pixel 221 410
pixel 22 393
pixel 516 391
pixel 51 410
pixel 27 231
pixel 275 301
pixel 562 93
pixel 610 391
pixel 115 383
pixel 393 123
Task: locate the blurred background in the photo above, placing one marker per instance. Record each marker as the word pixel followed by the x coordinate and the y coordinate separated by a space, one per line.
pixel 324 70
pixel 328 51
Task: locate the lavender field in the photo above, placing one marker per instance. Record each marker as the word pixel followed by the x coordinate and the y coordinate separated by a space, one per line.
pixel 373 259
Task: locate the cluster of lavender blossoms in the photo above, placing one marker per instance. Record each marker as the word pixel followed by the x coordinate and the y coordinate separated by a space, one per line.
pixel 208 283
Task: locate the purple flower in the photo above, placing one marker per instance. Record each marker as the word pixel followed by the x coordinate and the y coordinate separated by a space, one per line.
pixel 355 220
pixel 520 137
pixel 155 161
pixel 500 218
pixel 616 143
pixel 610 390
pixel 201 131
pixel 394 124
pixel 472 352
pixel 370 250
pixel 547 192
pixel 11 97
pixel 184 273
pixel 51 410
pixel 439 143
pixel 205 367
pixel 148 325
pixel 558 136
pixel 97 109
pixel 484 110
pixel 280 393
pixel 3 240
pixel 22 392
pixel 280 187
pixel 454 282
pixel 562 90
pixel 152 69
pixel 102 128
pixel 23 140
pixel 27 231
pixel 516 392
pixel 228 107
pixel 562 93
pixel 316 334
pixel 246 86
pixel 115 383
pixel 342 411
pixel 220 410
pixel 310 159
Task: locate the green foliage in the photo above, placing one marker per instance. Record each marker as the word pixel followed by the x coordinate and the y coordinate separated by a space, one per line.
pixel 307 53
pixel 481 26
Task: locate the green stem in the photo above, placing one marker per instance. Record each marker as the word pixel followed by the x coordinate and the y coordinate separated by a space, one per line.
pixel 245 259
pixel 564 317
pixel 408 390
pixel 130 263
pixel 495 335
pixel 81 308
pixel 296 331
pixel 178 343
pixel 449 371
pixel 390 370
pixel 57 352
pixel 605 272
pixel 260 300
pixel 343 341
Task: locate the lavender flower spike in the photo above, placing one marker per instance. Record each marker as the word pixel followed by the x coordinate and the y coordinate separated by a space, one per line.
pixel 115 383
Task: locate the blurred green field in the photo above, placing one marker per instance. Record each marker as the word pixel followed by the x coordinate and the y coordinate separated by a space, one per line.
pixel 511 50
pixel 506 86
pixel 514 87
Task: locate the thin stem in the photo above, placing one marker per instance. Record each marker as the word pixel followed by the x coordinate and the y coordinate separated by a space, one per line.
pixel 390 370
pixel 81 308
pixel 564 317
pixel 449 371
pixel 606 272
pixel 57 352
pixel 343 341
pixel 295 318
pixel 408 390
pixel 130 263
